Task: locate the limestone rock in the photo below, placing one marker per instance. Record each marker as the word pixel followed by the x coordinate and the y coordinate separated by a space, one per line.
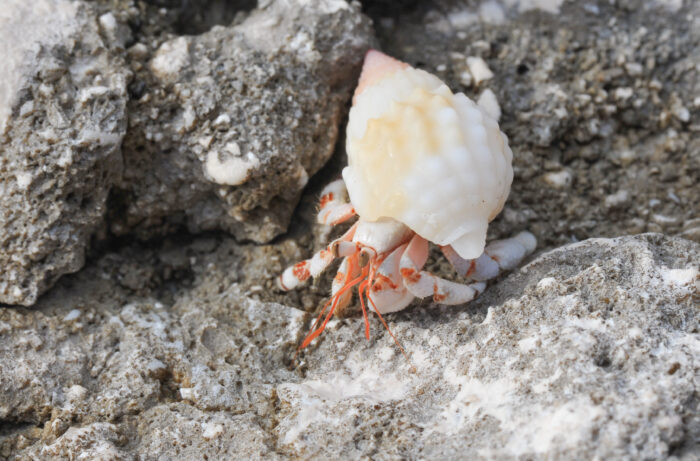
pixel 589 351
pixel 593 98
pixel 62 119
pixel 226 127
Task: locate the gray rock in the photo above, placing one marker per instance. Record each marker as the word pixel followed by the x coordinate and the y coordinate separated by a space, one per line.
pixel 597 98
pixel 96 441
pixel 591 350
pixel 226 127
pixel 62 119
pixel 182 349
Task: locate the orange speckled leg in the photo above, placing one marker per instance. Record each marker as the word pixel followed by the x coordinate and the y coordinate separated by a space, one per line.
pixel 422 283
pixel 387 290
pixel 294 276
pixel 498 256
pixel 334 206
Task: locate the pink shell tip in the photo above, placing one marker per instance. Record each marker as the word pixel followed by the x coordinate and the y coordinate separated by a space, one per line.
pixel 377 65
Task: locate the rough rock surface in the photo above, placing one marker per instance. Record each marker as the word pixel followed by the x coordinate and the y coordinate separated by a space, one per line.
pixel 226 127
pixel 600 102
pixel 591 350
pixel 62 119
pixel 181 348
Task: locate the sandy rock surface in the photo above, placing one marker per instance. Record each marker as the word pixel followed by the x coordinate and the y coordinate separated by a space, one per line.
pixel 224 128
pixel 181 347
pixel 591 349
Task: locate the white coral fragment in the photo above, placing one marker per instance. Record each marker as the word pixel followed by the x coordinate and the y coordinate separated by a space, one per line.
pixel 487 100
pixel 234 169
pixel 172 56
pixel 479 69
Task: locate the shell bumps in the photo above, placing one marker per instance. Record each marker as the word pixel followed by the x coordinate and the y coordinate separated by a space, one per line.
pixel 424 156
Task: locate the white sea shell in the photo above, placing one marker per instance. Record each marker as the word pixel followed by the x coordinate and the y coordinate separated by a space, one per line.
pixel 424 156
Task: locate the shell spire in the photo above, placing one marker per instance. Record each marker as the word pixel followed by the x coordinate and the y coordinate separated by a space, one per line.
pixel 376 66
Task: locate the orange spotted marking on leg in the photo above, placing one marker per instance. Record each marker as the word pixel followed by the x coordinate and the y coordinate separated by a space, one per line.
pixel 472 268
pixel 326 199
pixel 410 275
pixel 301 270
pixel 383 282
pixel 437 296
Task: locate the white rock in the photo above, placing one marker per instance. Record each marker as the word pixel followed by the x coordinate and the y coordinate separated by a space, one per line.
pixel 211 430
pixel 187 393
pixel 108 23
pixel 558 179
pixel 172 56
pixel 618 198
pixel 72 315
pixel 479 69
pixel 222 121
pixel 549 6
pixel 465 78
pixel 234 169
pixel 623 93
pixel 23 179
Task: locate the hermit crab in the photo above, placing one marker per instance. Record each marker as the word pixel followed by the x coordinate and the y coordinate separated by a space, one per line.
pixel 424 165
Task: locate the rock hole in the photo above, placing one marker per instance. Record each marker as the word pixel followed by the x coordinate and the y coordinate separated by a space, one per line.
pixel 391 8
pixel 603 360
pixel 136 89
pixel 198 16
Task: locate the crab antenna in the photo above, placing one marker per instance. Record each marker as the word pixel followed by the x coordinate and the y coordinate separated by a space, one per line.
pixel 364 286
pixel 335 298
pixel 403 351
pixel 313 327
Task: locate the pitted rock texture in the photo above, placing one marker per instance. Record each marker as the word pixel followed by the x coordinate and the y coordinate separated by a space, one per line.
pixel 226 127
pixel 600 101
pixel 62 119
pixel 181 348
pixel 590 351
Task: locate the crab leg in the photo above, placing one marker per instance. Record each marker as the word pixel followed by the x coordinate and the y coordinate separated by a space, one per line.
pixel 499 255
pixel 333 302
pixel 422 283
pixel 349 270
pixel 335 208
pixel 387 291
pixel 300 272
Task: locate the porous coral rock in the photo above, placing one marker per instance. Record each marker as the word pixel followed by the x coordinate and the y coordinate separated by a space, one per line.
pixel 62 119
pixel 227 126
pixel 589 351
